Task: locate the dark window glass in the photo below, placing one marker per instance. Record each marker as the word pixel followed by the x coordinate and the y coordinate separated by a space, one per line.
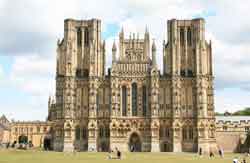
pixel 86 36
pixel 167 132
pixel 124 101
pixel 79 37
pixel 134 99
pixel 184 133
pixel 84 133
pixel 189 37
pixel 182 36
pixel 191 135
pixel 144 100
pixel 77 133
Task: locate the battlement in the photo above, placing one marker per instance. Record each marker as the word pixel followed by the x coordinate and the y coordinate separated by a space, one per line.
pixel 188 22
pixel 235 124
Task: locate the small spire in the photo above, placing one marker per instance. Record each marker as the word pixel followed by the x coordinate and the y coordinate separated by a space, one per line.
pixel 153 53
pixel 153 45
pixel 49 100
pixel 121 35
pixel 114 46
pixel 146 29
pixel 122 30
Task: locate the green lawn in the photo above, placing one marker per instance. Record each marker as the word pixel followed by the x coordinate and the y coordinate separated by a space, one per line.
pixel 34 156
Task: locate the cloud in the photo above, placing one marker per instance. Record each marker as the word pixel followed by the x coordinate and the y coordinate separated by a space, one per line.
pixel 25 90
pixel 33 74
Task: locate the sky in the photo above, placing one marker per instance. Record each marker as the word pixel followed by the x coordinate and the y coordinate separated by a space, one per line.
pixel 29 30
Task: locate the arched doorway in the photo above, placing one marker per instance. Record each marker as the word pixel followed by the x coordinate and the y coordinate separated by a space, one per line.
pixel 104 146
pixel 165 147
pixel 134 143
pixel 22 139
pixel 47 142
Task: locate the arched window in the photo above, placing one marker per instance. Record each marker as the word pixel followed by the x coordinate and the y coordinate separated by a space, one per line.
pixel 144 100
pixel 77 133
pixel 161 132
pixel 184 133
pixel 38 129
pixel 79 37
pixel 86 36
pixel 134 99
pixel 182 36
pixel 191 134
pixel 189 37
pixel 101 132
pixel 97 101
pixel 84 133
pixel 124 101
pixel 107 132
pixel 167 132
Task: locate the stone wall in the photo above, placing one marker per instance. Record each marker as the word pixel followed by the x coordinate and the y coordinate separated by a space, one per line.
pixel 232 136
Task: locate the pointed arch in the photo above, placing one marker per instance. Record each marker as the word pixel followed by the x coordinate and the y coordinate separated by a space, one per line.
pixel 134 99
pixel 124 100
pixel 77 132
pixel 144 100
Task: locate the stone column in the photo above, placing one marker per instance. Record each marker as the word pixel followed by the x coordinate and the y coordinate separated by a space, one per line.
pixel 92 131
pixel 69 135
pixel 176 139
pixel 155 141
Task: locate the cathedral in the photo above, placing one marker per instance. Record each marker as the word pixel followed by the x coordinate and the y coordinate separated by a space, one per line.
pixel 134 106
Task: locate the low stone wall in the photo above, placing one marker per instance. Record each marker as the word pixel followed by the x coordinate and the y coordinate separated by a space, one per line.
pixel 230 141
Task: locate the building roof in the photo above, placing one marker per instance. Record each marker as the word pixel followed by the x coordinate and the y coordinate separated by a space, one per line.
pixel 3 117
pixel 232 118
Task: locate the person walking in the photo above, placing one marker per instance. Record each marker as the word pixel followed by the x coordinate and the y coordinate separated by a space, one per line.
pixel 200 152
pixel 119 154
pixel 221 153
pixel 211 154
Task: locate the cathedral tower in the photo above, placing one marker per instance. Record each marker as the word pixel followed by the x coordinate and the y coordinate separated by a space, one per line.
pixel 80 56
pixel 188 62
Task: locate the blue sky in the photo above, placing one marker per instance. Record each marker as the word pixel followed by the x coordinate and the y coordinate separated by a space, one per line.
pixel 29 31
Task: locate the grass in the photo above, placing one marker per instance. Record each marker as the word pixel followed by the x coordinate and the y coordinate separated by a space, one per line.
pixel 35 156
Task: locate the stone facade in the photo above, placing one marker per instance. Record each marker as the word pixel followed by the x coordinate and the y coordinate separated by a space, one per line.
pixel 34 131
pixel 232 132
pixel 4 129
pixel 134 106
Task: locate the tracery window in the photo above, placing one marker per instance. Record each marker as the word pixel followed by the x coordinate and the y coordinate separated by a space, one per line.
pixel 191 134
pixel 167 132
pixel 182 36
pixel 84 133
pixel 107 132
pixel 79 37
pixel 124 101
pixel 97 102
pixel 86 36
pixel 134 99
pixel 161 132
pixel 77 133
pixel 101 132
pixel 184 134
pixel 189 37
pixel 144 100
